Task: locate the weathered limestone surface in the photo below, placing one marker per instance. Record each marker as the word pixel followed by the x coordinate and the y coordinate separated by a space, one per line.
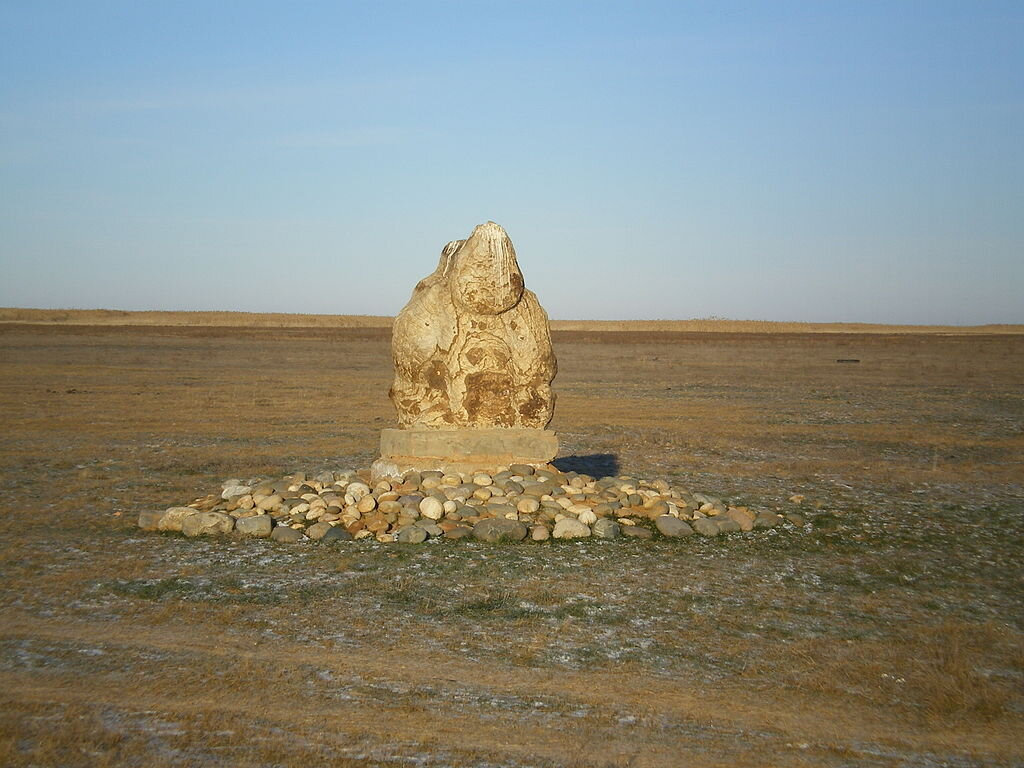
pixel 462 450
pixel 473 365
pixel 472 348
pixel 468 444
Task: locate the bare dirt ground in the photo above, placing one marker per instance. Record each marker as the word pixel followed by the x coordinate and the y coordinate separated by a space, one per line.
pixel 886 633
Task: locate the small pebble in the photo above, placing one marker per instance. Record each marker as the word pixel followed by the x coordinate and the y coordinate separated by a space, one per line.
pixel 432 508
pixel 287 535
pixel 570 528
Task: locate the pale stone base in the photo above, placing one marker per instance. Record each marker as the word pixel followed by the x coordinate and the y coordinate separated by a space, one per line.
pixel 461 450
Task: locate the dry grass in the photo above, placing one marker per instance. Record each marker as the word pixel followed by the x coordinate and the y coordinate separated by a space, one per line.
pixel 953 678
pixel 722 325
pixel 940 674
pixel 889 632
pixel 113 317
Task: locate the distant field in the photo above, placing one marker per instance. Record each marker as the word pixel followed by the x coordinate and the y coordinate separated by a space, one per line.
pixel 205 319
pixel 277 319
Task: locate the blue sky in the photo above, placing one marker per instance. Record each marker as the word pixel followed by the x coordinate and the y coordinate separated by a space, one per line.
pixel 818 161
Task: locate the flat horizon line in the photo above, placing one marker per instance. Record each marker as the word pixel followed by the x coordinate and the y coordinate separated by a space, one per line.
pixel 233 318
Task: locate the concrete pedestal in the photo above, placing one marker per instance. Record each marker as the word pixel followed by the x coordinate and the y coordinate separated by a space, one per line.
pixel 461 450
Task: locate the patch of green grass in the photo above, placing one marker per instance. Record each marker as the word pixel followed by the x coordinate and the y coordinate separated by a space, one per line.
pixel 503 604
pixel 311 592
pixel 152 589
pixel 507 606
pixel 228 590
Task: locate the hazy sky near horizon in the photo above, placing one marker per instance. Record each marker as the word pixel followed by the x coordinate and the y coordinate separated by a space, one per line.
pixel 810 161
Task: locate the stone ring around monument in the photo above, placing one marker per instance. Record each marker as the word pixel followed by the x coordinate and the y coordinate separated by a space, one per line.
pixel 472 455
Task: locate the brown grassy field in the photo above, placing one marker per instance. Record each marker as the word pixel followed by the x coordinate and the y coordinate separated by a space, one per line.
pixel 886 633
pixel 279 320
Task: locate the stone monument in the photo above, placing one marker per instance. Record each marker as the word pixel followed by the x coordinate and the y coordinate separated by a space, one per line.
pixel 473 366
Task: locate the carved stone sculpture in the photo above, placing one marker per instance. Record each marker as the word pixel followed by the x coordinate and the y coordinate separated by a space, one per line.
pixel 472 348
pixel 473 362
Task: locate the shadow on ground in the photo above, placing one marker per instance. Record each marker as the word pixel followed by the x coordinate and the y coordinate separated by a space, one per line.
pixel 595 464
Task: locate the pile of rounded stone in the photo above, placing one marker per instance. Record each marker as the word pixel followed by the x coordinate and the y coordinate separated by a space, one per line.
pixel 513 504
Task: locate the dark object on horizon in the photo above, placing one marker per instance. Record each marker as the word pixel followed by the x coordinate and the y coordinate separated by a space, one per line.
pixel 847 360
